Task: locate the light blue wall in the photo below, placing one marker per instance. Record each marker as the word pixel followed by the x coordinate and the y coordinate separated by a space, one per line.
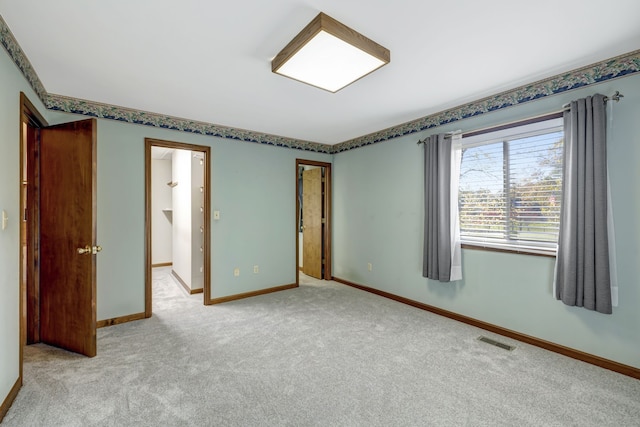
pixel 378 214
pixel 377 219
pixel 11 84
pixel 253 187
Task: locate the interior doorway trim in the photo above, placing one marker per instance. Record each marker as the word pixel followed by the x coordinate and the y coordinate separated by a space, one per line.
pixel 206 245
pixel 326 214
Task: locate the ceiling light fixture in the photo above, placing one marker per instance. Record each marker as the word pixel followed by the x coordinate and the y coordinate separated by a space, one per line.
pixel 329 55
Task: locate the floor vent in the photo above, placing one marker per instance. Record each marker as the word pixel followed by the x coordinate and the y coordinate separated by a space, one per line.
pixel 497 343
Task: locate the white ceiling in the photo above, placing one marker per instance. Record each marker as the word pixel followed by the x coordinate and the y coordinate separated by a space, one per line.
pixel 211 61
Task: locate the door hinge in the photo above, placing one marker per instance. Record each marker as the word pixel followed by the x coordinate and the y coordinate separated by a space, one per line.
pixel 324 221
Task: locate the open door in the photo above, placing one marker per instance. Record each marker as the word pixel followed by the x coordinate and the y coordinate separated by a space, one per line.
pixel 313 219
pixel 68 236
pixel 312 222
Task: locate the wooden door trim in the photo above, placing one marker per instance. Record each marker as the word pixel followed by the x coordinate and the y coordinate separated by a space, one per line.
pixel 27 109
pixel 151 142
pixel 29 114
pixel 327 254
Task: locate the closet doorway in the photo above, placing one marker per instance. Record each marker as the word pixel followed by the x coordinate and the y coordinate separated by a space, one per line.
pixel 177 215
pixel 313 219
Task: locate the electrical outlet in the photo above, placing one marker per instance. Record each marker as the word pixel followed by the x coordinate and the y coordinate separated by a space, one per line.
pixel 256 269
pixel 236 272
pixel 369 266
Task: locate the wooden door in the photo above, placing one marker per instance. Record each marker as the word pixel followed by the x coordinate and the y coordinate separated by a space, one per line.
pixel 312 222
pixel 67 224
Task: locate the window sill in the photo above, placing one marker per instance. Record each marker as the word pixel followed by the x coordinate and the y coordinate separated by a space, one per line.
pixel 520 251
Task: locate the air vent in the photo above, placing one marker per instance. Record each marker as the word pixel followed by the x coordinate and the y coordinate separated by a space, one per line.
pixel 497 343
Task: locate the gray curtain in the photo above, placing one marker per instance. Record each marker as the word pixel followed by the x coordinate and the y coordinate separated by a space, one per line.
pixel 582 264
pixel 437 228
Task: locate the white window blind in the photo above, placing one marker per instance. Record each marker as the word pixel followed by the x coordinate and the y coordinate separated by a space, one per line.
pixel 510 187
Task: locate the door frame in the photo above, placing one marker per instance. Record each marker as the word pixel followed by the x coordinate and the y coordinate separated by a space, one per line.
pixel 206 245
pixel 29 116
pixel 326 214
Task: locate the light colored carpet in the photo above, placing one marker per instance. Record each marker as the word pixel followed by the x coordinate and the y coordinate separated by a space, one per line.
pixel 322 354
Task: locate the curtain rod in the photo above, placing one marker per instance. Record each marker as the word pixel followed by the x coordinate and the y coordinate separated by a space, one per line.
pixel 616 97
pixel 447 135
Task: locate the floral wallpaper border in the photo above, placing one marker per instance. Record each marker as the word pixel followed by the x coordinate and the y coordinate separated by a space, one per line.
pixel 105 111
pixel 619 66
pixel 129 115
pixel 20 59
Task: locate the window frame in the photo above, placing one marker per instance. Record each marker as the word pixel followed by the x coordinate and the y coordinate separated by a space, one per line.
pixel 522 129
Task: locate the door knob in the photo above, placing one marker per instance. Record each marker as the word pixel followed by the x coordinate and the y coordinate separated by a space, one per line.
pixel 89 250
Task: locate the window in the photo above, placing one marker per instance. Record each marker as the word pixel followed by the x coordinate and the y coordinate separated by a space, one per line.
pixel 510 187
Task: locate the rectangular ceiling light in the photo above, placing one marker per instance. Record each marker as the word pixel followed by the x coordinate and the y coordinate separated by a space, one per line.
pixel 329 55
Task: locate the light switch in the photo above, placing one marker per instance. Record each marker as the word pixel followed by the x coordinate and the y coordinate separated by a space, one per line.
pixel 5 219
pixel 216 214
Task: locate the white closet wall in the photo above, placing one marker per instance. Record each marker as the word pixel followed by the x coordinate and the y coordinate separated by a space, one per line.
pixel 187 218
pixel 161 215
